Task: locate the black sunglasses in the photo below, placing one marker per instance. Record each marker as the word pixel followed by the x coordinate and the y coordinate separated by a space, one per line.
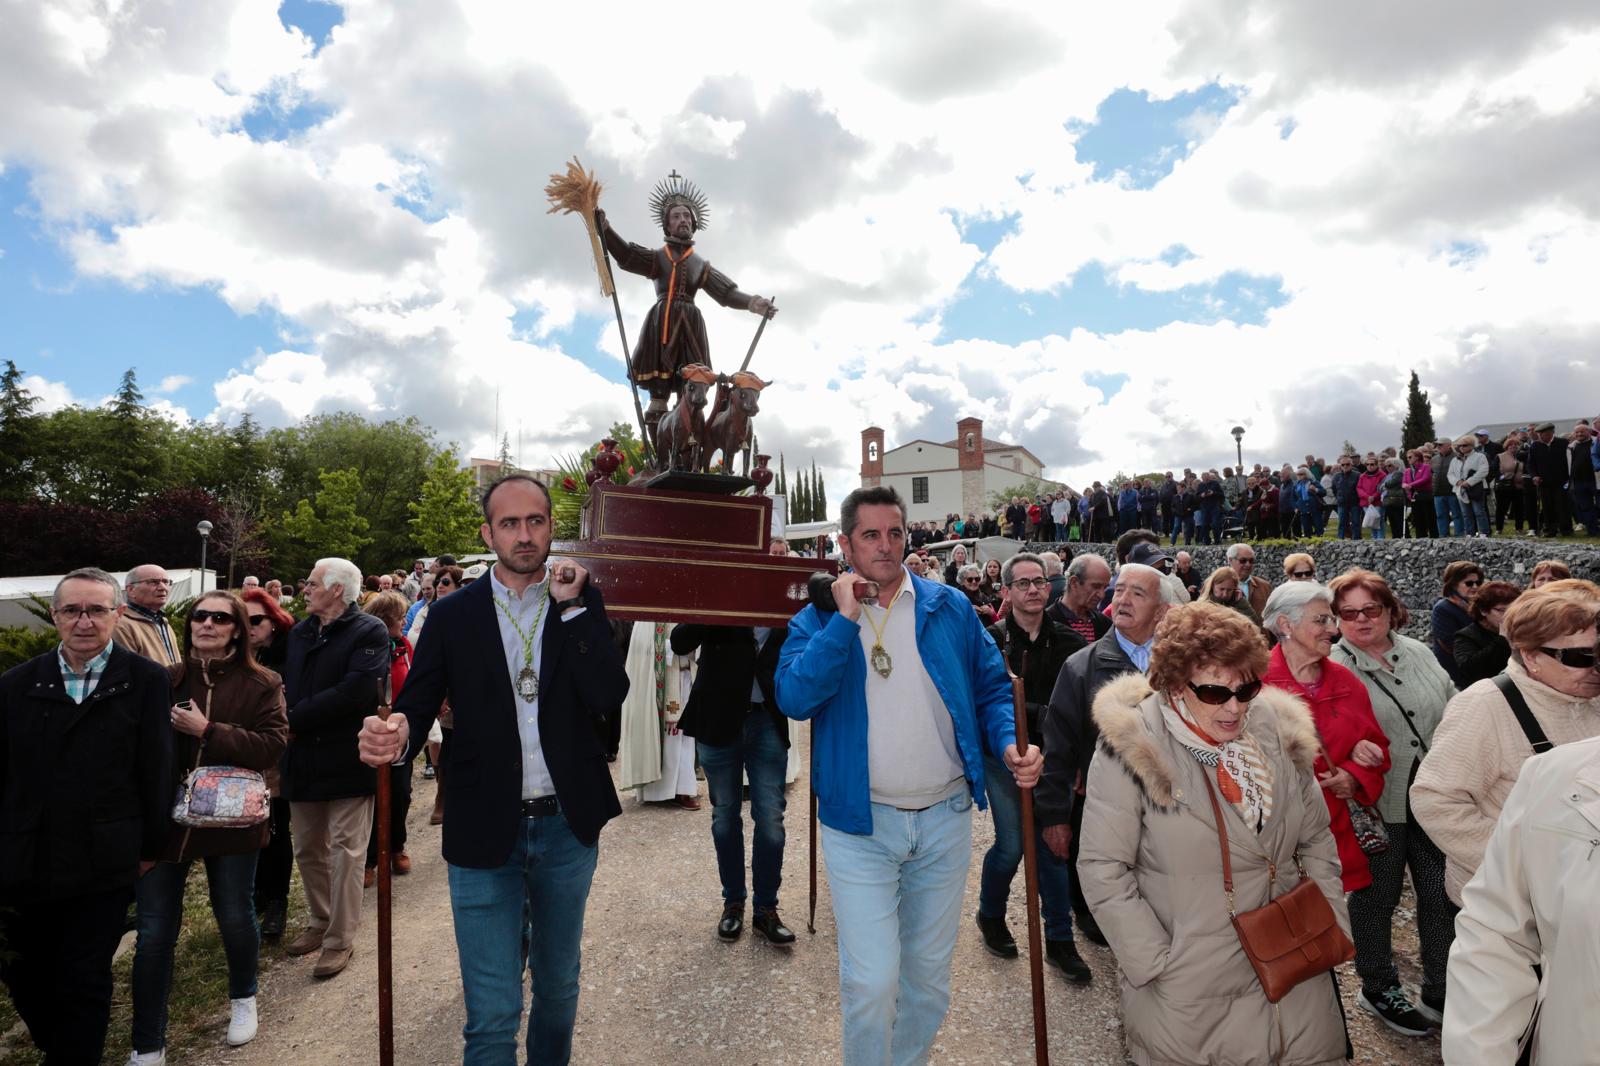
pixel 1303 574
pixel 257 619
pixel 1217 695
pixel 1577 658
pixel 221 618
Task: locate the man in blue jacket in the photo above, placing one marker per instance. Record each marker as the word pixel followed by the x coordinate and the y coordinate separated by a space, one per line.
pixel 906 695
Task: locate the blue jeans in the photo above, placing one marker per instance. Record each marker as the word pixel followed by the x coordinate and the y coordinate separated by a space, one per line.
pixel 1583 506
pixel 549 872
pixel 897 905
pixel 1447 509
pixel 232 880
pixel 1349 522
pixel 1476 516
pixel 1211 524
pixel 1001 860
pixel 761 754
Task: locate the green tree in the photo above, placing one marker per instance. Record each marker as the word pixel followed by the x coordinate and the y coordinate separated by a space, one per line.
pixel 18 435
pixel 504 456
pixel 1000 499
pixel 820 504
pixel 445 519
pixel 1417 429
pixel 782 488
pixel 333 526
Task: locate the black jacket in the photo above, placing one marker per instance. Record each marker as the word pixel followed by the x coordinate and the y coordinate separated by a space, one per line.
pixel 1480 654
pixel 1038 665
pixel 581 679
pixel 333 679
pixel 1069 729
pixel 84 787
pixel 1549 461
pixel 729 666
pixel 1344 488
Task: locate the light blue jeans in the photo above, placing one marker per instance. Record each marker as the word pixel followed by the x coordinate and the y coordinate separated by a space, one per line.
pixel 547 874
pixel 897 905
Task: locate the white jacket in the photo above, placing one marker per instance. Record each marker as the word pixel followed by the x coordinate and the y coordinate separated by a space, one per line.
pixel 1533 902
pixel 1474 470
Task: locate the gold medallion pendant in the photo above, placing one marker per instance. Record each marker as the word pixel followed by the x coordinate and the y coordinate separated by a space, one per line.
pixel 528 684
pixel 881 661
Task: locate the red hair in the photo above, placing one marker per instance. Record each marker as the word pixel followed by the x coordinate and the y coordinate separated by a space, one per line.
pixel 281 620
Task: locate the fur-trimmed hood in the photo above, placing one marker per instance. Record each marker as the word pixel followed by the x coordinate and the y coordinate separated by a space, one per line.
pixel 1129 717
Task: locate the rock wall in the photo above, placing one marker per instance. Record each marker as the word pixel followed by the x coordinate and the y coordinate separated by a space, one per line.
pixel 1412 567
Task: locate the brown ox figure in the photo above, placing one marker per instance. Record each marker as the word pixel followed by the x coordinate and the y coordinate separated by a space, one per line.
pixel 681 433
pixel 728 429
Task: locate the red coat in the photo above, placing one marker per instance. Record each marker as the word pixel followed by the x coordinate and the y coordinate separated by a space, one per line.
pixel 1342 711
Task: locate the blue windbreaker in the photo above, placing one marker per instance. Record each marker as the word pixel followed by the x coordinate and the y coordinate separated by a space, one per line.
pixel 822 676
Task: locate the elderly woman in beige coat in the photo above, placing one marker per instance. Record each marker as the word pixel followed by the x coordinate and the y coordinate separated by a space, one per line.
pixel 1149 860
pixel 1479 748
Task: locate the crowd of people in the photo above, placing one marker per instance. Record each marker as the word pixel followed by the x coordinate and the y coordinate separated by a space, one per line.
pixel 1199 746
pixel 1544 483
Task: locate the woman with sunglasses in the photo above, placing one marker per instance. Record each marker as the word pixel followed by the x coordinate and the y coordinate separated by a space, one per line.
pixel 1450 615
pixel 1480 747
pixel 1482 650
pixel 1355 752
pixel 969 579
pixel 269 626
pixel 1298 566
pixel 1149 863
pixel 1409 690
pixel 227 710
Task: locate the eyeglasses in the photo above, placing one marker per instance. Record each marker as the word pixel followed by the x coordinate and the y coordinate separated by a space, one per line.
pixel 443 582
pixel 94 612
pixel 1302 575
pixel 969 581
pixel 1577 658
pixel 1022 584
pixel 257 619
pixel 1217 695
pixel 1371 610
pixel 1471 583
pixel 221 618
pixel 167 581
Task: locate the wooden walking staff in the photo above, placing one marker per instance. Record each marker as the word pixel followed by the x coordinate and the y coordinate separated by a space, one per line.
pixel 1030 875
pixel 385 960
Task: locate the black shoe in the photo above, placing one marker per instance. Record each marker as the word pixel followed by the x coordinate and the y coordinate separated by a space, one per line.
pixel 1432 1009
pixel 1090 929
pixel 1394 1009
pixel 769 925
pixel 272 916
pixel 997 938
pixel 732 923
pixel 1063 955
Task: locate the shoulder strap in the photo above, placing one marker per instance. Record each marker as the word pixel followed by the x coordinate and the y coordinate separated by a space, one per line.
pixel 1404 717
pixel 1519 707
pixel 1222 840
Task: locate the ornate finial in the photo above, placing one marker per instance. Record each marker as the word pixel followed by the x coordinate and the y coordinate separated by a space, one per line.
pixel 675 190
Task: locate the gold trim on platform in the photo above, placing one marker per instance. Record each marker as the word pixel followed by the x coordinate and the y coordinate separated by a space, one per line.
pixel 685 562
pixel 696 611
pixel 601 534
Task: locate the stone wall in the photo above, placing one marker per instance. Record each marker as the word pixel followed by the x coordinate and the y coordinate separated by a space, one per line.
pixel 1412 567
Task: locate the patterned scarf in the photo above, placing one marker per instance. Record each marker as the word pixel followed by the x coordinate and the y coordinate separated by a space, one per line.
pixel 1244 777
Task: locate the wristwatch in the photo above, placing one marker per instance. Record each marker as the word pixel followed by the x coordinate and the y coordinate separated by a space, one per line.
pixel 563 606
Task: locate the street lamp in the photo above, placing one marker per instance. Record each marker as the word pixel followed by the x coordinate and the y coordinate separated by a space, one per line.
pixel 1238 445
pixel 204 529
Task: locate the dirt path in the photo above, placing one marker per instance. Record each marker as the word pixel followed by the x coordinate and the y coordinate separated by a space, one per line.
pixel 658 987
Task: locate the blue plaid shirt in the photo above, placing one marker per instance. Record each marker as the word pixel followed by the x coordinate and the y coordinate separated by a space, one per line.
pixel 79 686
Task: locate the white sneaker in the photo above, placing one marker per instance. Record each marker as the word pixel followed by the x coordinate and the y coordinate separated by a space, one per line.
pixel 148 1058
pixel 242 1027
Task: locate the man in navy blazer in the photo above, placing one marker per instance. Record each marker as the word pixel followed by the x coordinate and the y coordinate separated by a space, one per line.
pixel 526 659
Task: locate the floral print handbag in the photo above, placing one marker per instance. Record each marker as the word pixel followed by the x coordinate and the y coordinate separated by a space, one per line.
pixel 222 797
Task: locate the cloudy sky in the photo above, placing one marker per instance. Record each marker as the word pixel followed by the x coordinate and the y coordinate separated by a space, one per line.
pixel 1113 233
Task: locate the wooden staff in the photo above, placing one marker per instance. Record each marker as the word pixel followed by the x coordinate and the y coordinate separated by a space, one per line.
pixel 1030 873
pixel 385 960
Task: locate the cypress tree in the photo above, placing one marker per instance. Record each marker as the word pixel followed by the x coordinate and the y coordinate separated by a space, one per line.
pixel 1417 429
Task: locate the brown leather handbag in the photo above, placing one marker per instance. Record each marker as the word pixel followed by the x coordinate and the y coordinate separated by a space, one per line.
pixel 1294 937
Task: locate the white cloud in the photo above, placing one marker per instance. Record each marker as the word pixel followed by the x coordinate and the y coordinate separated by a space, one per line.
pixel 174 382
pixel 838 143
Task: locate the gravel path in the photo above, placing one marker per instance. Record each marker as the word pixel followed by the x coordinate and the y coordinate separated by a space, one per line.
pixel 658 987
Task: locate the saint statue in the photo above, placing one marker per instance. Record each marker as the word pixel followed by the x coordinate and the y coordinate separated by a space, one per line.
pixel 674 333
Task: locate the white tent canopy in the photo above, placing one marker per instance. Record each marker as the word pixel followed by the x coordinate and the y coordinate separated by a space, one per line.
pixel 16 592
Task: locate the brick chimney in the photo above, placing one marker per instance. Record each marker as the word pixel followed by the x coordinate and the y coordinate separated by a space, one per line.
pixel 969 457
pixel 871 457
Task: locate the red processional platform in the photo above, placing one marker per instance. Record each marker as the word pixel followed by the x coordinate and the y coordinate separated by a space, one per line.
pixel 667 554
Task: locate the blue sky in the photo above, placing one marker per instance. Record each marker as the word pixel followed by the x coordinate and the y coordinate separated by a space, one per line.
pixel 85 332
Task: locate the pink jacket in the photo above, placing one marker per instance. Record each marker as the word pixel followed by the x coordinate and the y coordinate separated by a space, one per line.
pixel 1367 488
pixel 1418 476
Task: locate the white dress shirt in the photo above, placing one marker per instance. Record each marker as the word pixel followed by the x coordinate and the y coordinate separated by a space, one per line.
pixel 536 780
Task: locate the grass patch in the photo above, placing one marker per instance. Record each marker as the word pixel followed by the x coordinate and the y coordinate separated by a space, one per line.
pixel 197 1008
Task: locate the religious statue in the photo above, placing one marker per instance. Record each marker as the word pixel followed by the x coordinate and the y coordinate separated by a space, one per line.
pixel 674 332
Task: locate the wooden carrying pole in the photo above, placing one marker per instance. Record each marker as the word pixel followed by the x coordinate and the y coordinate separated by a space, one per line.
pixel 385 959
pixel 1030 872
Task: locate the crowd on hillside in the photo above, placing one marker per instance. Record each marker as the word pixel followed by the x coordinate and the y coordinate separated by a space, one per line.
pixel 1468 487
pixel 1292 716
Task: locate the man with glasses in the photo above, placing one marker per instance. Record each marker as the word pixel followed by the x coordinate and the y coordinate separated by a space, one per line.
pixel 1034 648
pixel 85 790
pixel 142 628
pixel 1242 558
pixel 1346 497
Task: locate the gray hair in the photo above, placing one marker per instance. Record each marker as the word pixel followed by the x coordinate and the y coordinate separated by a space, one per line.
pixel 88 573
pixel 1290 600
pixel 1024 557
pixel 1052 563
pixel 1233 551
pixel 970 568
pixel 1127 570
pixel 1079 567
pixel 341 572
